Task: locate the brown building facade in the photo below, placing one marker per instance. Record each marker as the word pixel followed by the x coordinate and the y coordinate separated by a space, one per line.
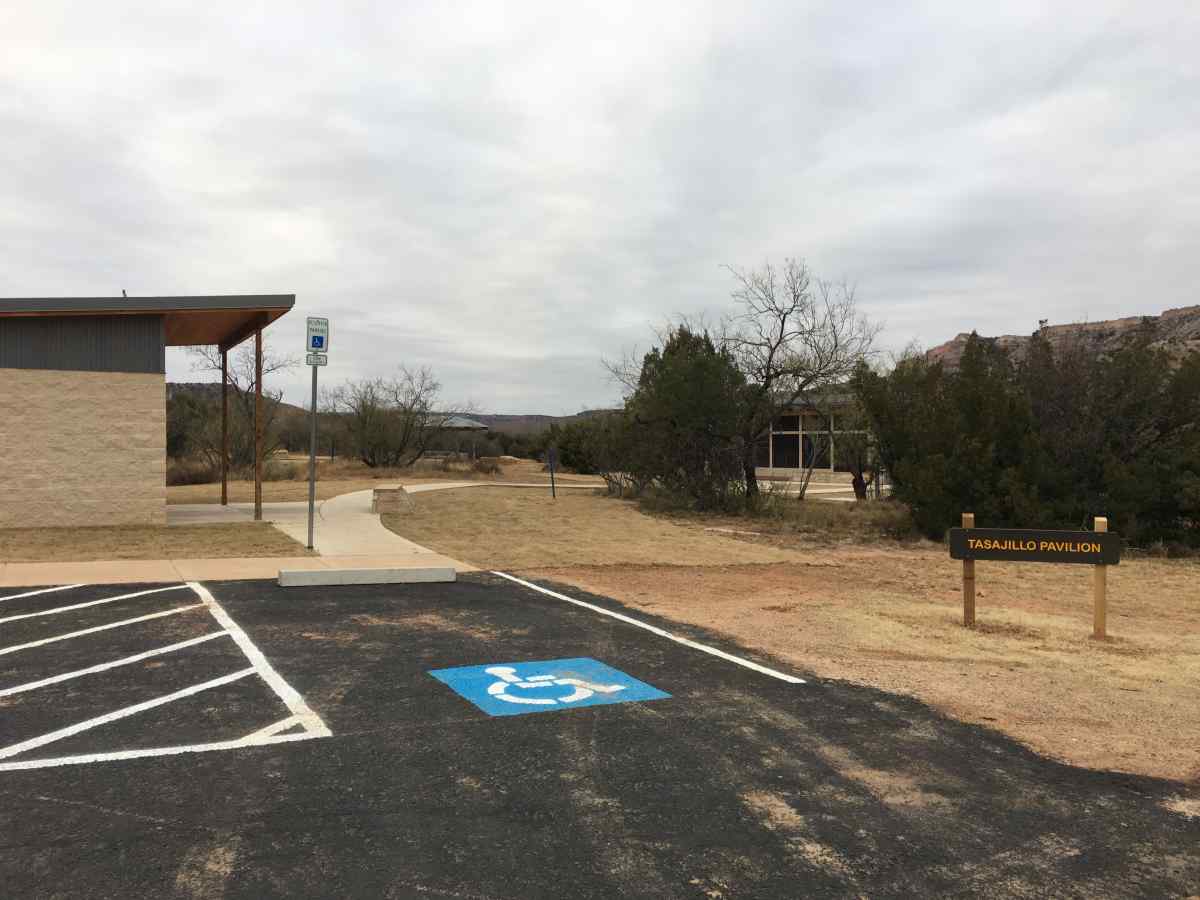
pixel 83 400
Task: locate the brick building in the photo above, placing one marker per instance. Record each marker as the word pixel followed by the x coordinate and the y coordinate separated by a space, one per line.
pixel 83 400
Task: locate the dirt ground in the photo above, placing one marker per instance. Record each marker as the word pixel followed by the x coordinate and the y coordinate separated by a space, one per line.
pixel 887 615
pixel 248 539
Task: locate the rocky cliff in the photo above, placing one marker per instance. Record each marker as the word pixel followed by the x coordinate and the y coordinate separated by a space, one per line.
pixel 1176 331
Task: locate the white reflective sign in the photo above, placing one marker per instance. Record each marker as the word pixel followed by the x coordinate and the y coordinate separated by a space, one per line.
pixel 318 336
pixel 316 359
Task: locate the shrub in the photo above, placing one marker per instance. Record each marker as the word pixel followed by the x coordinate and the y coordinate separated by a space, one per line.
pixel 191 471
pixel 487 465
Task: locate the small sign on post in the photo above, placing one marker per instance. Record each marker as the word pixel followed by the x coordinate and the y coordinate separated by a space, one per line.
pixel 317 346
pixel 1097 548
pixel 318 335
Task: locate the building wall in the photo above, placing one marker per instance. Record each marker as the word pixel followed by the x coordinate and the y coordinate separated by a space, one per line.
pixel 82 448
pixel 83 343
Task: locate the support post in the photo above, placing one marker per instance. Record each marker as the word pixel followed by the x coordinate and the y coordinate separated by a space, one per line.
pixel 968 579
pixel 224 427
pixel 312 460
pixel 832 468
pixel 1100 590
pixel 258 425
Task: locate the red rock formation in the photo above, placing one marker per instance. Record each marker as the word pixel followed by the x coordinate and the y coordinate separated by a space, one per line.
pixel 1176 331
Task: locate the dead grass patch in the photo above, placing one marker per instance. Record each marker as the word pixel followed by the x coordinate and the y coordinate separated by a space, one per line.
pixel 242 539
pixel 890 618
pixel 522 528
pixel 343 476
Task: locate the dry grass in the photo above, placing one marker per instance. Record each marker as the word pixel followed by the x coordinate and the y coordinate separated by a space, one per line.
pixel 886 615
pixel 248 539
pixel 521 528
pixel 341 476
pixel 273 491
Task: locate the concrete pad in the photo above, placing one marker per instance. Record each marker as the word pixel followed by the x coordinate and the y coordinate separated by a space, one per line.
pixel 206 514
pixel 328 577
pixel 241 568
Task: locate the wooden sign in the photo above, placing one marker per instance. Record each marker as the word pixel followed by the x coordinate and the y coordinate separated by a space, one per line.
pixel 1022 545
pixel 1096 548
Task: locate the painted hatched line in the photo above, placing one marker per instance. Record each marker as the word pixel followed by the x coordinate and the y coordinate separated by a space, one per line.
pixel 123 713
pixel 237 744
pixel 289 695
pixel 63 609
pixel 274 728
pixel 101 667
pixel 122 623
pixel 50 590
pixel 654 629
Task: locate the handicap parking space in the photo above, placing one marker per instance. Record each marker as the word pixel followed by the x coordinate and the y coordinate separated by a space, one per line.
pixel 93 673
pixel 491 739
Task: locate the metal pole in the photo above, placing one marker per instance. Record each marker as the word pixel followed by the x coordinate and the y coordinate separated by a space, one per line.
pixel 258 425
pixel 224 427
pixel 312 460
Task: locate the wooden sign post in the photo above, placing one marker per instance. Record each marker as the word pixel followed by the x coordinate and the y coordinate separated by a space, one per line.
pixel 968 521
pixel 1100 589
pixel 1097 548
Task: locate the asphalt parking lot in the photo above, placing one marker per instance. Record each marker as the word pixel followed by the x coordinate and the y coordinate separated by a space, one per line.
pixel 484 739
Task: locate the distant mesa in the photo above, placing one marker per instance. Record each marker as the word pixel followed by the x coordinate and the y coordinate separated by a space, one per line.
pixel 1176 331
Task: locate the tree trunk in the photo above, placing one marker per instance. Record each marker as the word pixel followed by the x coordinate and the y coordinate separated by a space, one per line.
pixel 860 485
pixel 748 469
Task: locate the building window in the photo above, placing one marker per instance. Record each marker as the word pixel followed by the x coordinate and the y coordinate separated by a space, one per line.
pixel 787 423
pixel 786 450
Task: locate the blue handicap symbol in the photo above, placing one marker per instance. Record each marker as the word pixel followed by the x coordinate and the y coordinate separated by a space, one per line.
pixel 513 689
pixel 318 341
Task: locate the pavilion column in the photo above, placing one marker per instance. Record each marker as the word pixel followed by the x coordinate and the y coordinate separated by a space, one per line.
pixel 831 468
pixel 224 427
pixel 258 425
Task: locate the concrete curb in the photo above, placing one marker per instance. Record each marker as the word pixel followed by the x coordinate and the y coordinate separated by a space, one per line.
pixel 329 577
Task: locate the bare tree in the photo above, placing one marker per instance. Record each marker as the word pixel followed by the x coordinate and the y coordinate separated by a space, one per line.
pixel 391 421
pixel 241 376
pixel 795 338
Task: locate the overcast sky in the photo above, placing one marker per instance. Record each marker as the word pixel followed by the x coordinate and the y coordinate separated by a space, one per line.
pixel 508 192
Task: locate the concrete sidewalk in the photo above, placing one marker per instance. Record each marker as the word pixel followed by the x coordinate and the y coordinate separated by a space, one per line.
pixel 347 536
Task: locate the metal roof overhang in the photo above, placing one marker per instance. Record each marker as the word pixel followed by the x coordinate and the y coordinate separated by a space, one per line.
pixel 188 321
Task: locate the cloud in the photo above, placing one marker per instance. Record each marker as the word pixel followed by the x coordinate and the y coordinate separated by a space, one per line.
pixel 508 193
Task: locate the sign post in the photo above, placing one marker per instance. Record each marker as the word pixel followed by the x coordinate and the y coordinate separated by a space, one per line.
pixel 317 346
pixel 552 459
pixel 968 521
pixel 1097 548
pixel 1100 589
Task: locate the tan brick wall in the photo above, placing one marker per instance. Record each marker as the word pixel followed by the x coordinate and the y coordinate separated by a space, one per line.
pixel 82 448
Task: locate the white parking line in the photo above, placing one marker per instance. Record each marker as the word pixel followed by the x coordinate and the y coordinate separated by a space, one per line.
pixel 289 695
pixel 301 715
pixel 91 670
pixel 123 622
pixel 239 743
pixel 122 713
pixel 63 609
pixel 65 587
pixel 653 629
pixel 274 728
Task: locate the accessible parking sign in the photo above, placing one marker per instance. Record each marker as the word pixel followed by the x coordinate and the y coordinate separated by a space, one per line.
pixel 516 688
